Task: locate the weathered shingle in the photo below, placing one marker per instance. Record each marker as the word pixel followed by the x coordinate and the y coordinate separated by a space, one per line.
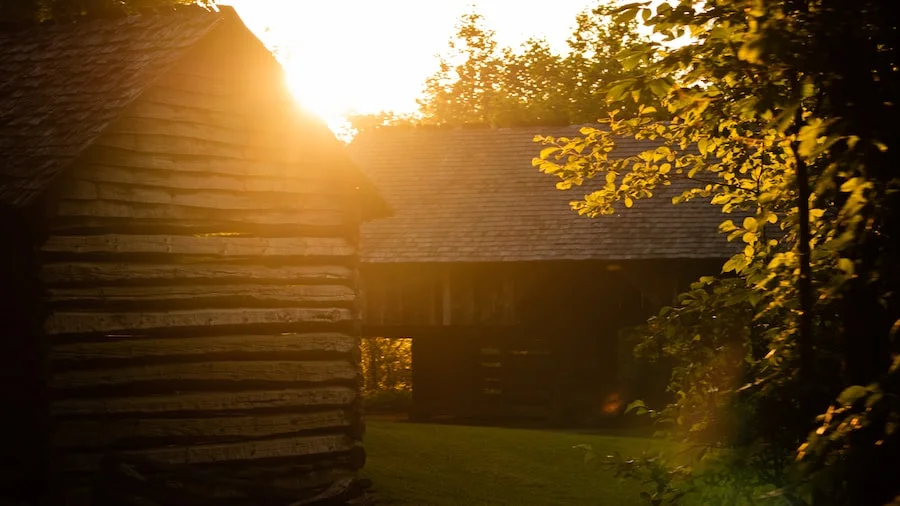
pixel 472 195
pixel 61 85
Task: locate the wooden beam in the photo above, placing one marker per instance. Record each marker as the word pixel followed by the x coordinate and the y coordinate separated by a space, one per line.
pixel 253 133
pixel 147 347
pixel 188 80
pixel 208 403
pixel 197 99
pixel 224 246
pixel 229 452
pixel 104 433
pixel 446 299
pixel 307 157
pixel 154 110
pixel 132 273
pixel 79 212
pixel 84 322
pixel 172 145
pixel 312 163
pixel 205 199
pixel 314 183
pixel 119 157
pixel 220 371
pixel 88 225
pixel 286 295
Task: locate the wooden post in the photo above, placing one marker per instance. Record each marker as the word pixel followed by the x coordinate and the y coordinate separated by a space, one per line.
pixel 420 410
pixel 446 300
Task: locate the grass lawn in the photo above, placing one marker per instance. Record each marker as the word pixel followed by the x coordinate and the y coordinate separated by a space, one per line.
pixel 426 464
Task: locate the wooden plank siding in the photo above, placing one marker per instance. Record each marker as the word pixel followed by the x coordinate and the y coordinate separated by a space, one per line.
pixel 529 340
pixel 202 274
pixel 414 295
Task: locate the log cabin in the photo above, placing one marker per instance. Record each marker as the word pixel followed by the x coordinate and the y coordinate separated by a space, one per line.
pixel 515 304
pixel 179 275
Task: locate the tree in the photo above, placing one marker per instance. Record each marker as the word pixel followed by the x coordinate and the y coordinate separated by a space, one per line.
pixel 480 83
pixel 28 11
pixel 782 111
pixel 593 62
pixel 466 88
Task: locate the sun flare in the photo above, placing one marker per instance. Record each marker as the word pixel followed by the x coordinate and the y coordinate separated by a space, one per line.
pixel 357 56
pixel 350 57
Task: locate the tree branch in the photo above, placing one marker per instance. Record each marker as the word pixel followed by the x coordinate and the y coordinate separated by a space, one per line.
pixel 805 289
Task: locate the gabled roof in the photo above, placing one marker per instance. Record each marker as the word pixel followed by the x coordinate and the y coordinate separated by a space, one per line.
pixel 62 84
pixel 472 195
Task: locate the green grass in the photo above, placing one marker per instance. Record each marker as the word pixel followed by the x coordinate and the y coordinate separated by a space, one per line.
pixel 426 464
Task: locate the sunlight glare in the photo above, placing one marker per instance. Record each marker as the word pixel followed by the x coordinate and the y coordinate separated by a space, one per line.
pixel 358 56
pixel 345 57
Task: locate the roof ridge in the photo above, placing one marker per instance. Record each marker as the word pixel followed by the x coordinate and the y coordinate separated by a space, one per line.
pixel 474 129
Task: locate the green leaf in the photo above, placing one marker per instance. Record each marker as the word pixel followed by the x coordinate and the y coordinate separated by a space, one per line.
pixel 852 394
pixel 846 265
pixel 751 51
pixel 637 406
pixel 619 90
pixel 645 14
pixel 660 87
pixel 702 145
pixel 632 60
pixel 626 15
pixel 754 297
pixel 548 151
pixel 750 224
pixel 737 263
pixel 809 139
pixel 852 184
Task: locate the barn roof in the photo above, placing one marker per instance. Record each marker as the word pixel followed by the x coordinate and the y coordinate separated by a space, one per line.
pixel 472 195
pixel 62 84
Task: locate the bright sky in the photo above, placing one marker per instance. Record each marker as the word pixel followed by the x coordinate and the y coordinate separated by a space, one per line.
pixel 346 56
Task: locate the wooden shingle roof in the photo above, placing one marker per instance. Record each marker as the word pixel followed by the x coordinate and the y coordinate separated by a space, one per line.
pixel 62 84
pixel 472 195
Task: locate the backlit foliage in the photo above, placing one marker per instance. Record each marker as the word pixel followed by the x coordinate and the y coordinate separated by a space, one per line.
pixel 783 116
pixel 478 82
pixel 387 365
pixel 481 83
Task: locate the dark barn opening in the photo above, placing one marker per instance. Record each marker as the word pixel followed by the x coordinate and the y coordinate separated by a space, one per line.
pixel 528 342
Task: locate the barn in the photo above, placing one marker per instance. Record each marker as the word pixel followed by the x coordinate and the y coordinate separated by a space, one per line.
pixel 179 276
pixel 514 303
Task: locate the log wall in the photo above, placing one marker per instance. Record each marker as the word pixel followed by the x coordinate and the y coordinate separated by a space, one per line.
pixel 202 271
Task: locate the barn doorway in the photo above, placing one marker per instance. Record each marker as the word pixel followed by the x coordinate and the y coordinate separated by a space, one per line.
pixel 487 374
pixel 387 385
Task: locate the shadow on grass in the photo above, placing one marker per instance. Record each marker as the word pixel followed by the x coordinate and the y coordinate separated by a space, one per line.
pixel 435 464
